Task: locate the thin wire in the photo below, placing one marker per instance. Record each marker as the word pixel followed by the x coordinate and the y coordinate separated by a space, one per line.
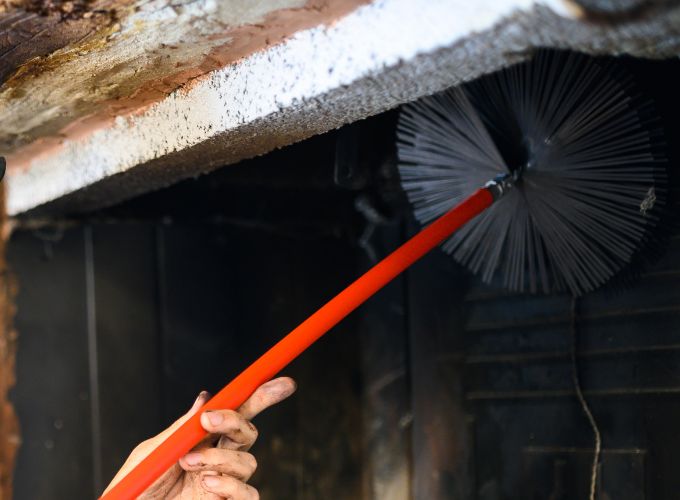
pixel 584 404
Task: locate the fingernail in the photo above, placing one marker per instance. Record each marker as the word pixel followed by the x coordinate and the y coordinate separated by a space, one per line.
pixel 202 397
pixel 193 458
pixel 211 481
pixel 214 417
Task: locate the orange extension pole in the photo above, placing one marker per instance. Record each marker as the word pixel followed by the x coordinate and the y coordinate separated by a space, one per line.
pixel 292 345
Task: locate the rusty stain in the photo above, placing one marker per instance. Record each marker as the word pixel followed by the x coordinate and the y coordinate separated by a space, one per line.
pixel 9 425
pixel 39 65
pixel 134 96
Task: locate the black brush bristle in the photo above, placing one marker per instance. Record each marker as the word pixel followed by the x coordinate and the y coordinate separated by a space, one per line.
pixel 587 150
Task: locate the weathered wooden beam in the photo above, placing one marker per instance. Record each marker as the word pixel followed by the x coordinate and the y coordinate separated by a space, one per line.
pixel 35 28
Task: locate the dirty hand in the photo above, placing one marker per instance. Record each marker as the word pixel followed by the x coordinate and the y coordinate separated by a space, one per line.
pixel 220 466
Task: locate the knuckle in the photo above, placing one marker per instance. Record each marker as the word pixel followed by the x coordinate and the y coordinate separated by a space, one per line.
pixel 233 414
pixel 224 443
pixel 250 462
pixel 211 456
pixel 143 447
pixel 255 433
pixel 231 485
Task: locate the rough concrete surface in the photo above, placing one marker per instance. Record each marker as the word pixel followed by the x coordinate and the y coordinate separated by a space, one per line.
pixel 368 59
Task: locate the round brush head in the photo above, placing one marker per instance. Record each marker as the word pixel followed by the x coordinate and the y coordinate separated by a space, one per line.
pixel 585 151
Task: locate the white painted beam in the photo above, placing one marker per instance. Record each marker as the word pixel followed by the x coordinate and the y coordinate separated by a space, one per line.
pixel 374 58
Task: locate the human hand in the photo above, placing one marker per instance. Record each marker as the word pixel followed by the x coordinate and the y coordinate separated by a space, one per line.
pixel 220 466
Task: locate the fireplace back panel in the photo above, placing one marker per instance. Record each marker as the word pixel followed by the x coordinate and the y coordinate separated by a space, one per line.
pixel 178 309
pixel 438 388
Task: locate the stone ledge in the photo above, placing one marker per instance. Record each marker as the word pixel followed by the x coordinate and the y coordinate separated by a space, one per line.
pixel 378 56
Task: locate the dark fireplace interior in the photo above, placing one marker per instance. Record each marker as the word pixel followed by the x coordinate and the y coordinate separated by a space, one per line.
pixel 439 387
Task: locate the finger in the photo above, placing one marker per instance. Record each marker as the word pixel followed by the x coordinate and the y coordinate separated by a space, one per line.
pixel 237 464
pixel 229 487
pixel 266 395
pixel 202 399
pixel 240 433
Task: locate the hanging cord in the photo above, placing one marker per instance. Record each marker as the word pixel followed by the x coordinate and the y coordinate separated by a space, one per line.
pixel 584 403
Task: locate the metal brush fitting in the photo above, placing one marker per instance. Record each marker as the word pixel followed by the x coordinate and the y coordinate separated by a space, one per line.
pixel 500 185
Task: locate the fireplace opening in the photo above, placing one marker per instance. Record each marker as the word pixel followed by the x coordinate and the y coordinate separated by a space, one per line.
pixel 440 387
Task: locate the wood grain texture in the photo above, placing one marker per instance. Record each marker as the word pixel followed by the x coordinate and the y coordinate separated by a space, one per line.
pixel 36 29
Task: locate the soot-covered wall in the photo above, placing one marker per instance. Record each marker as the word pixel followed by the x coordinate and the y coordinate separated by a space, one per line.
pixel 126 315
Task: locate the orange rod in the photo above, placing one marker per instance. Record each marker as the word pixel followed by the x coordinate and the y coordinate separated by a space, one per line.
pixel 292 345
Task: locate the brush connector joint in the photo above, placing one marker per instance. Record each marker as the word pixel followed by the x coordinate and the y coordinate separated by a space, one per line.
pixel 499 185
